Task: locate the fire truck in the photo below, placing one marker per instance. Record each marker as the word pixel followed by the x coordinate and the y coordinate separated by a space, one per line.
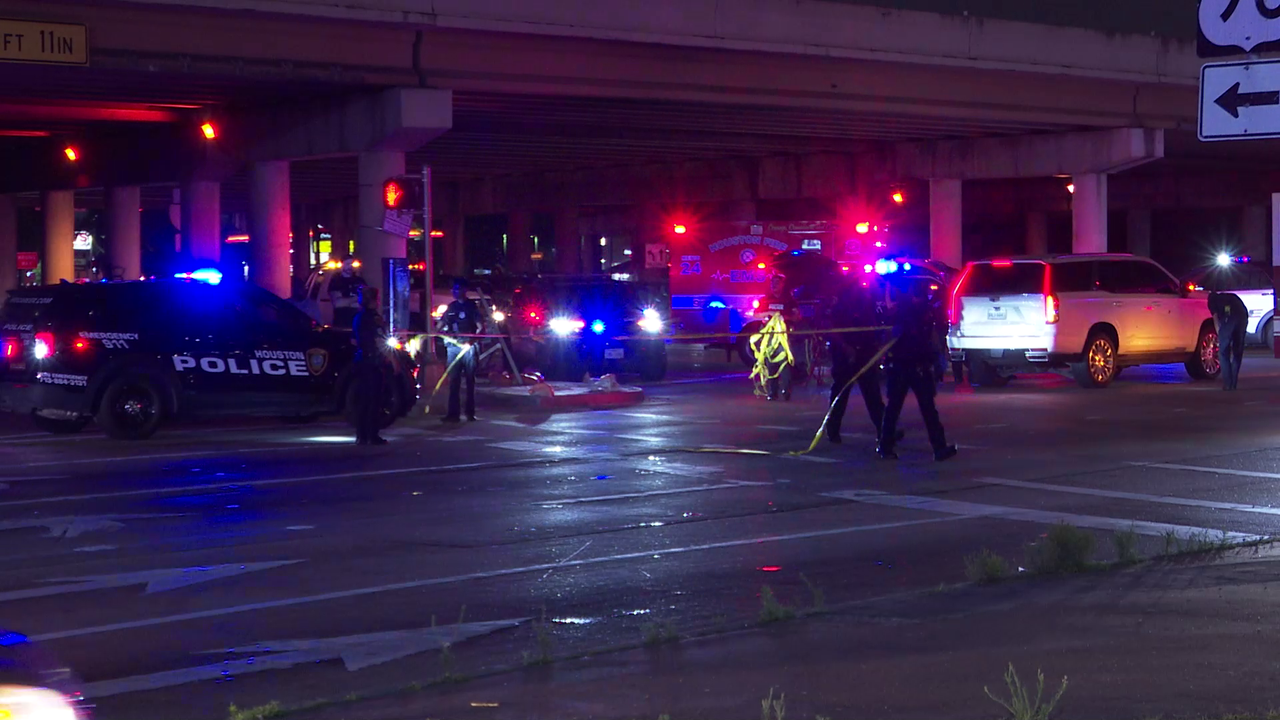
pixel 720 272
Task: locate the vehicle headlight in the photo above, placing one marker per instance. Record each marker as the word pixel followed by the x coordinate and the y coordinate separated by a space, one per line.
pixel 394 343
pixel 18 702
pixel 499 316
pixel 439 311
pixel 565 326
pixel 41 348
pixel 414 345
pixel 650 321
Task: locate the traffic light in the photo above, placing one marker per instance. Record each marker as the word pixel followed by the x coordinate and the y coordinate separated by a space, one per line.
pixel 402 193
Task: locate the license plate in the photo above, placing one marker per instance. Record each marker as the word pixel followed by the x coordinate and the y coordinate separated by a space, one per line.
pixel 997 314
pixel 614 354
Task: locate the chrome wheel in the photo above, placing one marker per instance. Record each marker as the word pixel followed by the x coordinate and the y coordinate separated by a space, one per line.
pixel 1209 360
pixel 1102 361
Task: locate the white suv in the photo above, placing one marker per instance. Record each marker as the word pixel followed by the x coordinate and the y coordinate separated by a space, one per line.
pixel 1093 314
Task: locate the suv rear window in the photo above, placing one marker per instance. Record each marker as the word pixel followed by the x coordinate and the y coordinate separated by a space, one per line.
pixel 1020 278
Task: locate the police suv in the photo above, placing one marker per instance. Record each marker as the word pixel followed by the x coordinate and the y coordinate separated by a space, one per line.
pixel 133 355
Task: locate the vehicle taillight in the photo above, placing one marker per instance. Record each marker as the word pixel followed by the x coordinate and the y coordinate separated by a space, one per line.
pixel 953 311
pixel 12 348
pixel 1050 309
pixel 80 344
pixel 43 346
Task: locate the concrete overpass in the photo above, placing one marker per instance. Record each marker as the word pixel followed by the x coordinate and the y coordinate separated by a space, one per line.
pixel 601 114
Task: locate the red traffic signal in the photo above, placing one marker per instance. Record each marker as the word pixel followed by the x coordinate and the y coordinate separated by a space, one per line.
pixel 402 193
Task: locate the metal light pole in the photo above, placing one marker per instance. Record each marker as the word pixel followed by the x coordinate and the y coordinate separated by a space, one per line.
pixel 428 256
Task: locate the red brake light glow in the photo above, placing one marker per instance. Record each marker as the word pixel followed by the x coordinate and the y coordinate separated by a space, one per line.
pixel 953 311
pixel 1050 309
pixel 1001 263
pixel 11 348
pixel 80 344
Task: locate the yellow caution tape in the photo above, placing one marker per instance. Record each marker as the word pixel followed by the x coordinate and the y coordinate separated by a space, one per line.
pixel 445 376
pixel 817 437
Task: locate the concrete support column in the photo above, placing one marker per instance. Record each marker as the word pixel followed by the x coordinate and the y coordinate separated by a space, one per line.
pixel 519 241
pixel 946 222
pixel 1138 222
pixel 124 233
pixel 454 244
pixel 8 244
pixel 269 219
pixel 59 261
pixel 1089 214
pixel 202 219
pixel 1255 231
pixel 1037 233
pixel 569 242
pixel 372 244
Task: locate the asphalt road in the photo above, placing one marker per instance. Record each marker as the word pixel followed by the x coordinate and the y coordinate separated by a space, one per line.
pixel 217 564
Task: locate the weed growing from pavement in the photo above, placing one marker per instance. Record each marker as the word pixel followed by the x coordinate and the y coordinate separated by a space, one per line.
pixel 261 712
pixel 542 639
pixel 771 709
pixel 1020 705
pixel 660 633
pixel 1126 542
pixel 819 597
pixel 448 661
pixel 770 609
pixel 1064 549
pixel 985 567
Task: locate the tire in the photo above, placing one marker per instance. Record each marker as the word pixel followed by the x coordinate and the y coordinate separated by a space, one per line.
pixel 1099 368
pixel 59 426
pixel 984 375
pixel 654 366
pixel 1204 363
pixel 132 408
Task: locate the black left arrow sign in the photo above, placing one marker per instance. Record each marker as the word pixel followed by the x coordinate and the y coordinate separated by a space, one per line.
pixel 1232 100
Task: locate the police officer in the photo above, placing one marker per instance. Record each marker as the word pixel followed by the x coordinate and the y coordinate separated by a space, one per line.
pixel 461 320
pixel 370 335
pixel 344 291
pixel 911 366
pixel 850 352
pixel 777 362
pixel 1232 318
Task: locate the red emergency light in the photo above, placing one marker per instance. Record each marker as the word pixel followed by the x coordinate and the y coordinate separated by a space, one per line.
pixel 898 197
pixel 863 228
pixel 71 152
pixel 209 130
pixel 437 233
pixel 679 229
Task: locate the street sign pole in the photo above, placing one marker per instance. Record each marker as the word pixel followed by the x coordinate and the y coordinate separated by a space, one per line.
pixel 428 254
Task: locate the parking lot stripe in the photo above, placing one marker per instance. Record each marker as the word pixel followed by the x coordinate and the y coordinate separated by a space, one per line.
pixel 429 582
pixel 1043 517
pixel 732 484
pixel 1218 471
pixel 1121 495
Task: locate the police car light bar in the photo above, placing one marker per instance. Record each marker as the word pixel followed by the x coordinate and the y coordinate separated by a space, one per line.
pixel 212 276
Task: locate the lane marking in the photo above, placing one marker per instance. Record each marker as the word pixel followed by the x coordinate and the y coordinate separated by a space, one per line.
pixel 812 458
pixel 1219 471
pixel 641 438
pixel 997 425
pixel 156 580
pixel 1121 495
pixel 1043 517
pixel 249 483
pixel 75 526
pixel 160 456
pixel 485 575
pixel 356 652
pixel 33 477
pixel 650 493
pixel 778 427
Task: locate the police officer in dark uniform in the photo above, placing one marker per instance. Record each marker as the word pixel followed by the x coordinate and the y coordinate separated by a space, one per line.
pixel 461 320
pixel 1232 318
pixel 850 352
pixel 911 366
pixel 370 335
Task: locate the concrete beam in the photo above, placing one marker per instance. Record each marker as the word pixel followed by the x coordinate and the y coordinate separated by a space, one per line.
pixel 396 120
pixel 1027 156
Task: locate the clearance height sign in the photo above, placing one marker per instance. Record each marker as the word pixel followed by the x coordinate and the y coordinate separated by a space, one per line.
pixel 47 43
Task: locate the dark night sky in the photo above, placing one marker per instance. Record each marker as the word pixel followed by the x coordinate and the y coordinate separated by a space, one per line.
pixel 1168 18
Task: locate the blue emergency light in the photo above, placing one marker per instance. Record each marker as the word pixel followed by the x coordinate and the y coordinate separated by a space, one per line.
pixel 886 267
pixel 212 276
pixel 597 327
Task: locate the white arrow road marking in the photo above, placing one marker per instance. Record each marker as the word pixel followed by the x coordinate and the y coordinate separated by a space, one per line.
pixel 155 580
pixel 1046 517
pixel 74 526
pixel 357 652
pixel 486 575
